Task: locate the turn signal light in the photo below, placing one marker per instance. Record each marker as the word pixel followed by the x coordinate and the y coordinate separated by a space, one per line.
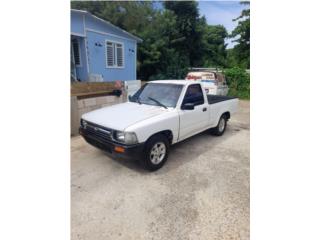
pixel 119 149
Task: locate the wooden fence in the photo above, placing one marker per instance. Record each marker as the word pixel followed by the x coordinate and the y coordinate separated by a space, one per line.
pixel 84 89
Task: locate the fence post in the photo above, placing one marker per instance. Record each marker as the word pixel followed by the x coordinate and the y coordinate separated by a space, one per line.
pixel 75 124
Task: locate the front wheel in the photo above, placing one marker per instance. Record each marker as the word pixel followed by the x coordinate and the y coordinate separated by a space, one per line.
pixel 221 127
pixel 155 153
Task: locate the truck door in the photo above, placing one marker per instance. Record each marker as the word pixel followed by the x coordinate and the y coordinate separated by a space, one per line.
pixel 193 120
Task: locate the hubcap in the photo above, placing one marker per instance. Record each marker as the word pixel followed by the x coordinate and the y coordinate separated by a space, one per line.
pixel 158 152
pixel 222 123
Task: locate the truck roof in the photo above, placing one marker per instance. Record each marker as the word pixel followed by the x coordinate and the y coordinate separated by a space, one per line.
pixel 181 82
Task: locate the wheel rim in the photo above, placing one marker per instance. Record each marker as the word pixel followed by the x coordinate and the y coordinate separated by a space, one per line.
pixel 222 124
pixel 158 152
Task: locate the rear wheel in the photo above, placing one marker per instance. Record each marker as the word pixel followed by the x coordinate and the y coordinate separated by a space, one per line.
pixel 221 127
pixel 155 153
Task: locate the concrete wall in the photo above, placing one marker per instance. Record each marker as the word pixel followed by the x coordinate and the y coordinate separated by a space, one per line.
pixel 81 106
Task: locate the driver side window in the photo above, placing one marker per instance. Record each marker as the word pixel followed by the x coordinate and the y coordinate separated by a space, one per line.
pixel 194 95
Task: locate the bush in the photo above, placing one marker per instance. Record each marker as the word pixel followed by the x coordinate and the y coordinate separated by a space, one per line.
pixel 238 81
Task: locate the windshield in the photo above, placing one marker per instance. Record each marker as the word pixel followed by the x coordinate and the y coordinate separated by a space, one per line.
pixel 209 81
pixel 164 93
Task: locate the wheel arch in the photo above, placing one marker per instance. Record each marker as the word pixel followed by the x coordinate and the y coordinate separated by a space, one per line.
pixel 167 133
pixel 227 114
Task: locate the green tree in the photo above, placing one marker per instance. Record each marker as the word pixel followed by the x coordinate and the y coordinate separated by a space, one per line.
pixel 231 59
pixel 215 47
pixel 241 51
pixel 238 81
pixel 156 54
pixel 190 27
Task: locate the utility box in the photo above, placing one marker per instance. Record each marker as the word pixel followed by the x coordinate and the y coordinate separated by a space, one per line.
pixel 131 87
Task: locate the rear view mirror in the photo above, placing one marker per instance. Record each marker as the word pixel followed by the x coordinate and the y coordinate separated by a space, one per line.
pixel 187 106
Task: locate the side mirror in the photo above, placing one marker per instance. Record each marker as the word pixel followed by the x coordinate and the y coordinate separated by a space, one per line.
pixel 187 106
pixel 130 98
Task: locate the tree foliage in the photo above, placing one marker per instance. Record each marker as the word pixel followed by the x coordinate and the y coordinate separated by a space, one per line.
pixel 215 47
pixel 241 52
pixel 238 81
pixel 190 30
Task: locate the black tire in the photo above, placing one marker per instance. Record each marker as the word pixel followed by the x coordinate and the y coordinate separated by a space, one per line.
pixel 218 131
pixel 147 161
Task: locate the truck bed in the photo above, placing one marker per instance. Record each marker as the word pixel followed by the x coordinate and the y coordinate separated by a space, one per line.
pixel 212 99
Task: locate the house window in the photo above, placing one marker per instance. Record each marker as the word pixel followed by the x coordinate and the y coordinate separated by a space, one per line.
pixel 76 52
pixel 114 54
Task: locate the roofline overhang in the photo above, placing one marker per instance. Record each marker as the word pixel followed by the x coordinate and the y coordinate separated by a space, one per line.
pixel 139 40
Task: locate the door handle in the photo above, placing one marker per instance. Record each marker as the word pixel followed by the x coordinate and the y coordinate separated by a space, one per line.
pixel 204 109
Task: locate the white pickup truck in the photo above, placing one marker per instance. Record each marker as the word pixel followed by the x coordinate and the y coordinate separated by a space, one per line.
pixel 158 115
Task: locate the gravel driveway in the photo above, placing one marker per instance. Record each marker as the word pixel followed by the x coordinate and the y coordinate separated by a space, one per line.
pixel 202 192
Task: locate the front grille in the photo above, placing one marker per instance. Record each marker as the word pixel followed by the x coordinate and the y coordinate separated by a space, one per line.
pixel 98 131
pixel 98 144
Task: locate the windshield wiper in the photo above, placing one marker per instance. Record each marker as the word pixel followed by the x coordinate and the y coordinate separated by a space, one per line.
pixel 159 103
pixel 137 99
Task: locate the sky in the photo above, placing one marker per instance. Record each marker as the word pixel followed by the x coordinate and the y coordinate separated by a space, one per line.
pixel 222 12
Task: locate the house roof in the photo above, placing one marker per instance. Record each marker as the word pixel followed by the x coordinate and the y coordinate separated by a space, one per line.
pixel 107 23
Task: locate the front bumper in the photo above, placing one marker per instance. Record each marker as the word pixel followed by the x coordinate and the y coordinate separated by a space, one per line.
pixel 129 151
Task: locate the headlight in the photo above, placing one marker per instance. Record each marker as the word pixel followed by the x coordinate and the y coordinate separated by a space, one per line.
pixel 119 136
pixel 126 137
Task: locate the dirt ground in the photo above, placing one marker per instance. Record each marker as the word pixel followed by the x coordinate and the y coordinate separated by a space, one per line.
pixel 202 192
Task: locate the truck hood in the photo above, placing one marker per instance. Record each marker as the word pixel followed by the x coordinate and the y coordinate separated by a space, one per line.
pixel 122 115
